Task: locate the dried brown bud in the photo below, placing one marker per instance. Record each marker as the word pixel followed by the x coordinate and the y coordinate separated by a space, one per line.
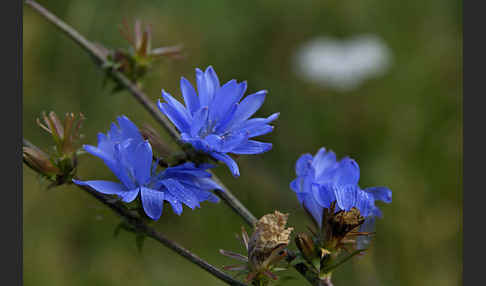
pixel 39 161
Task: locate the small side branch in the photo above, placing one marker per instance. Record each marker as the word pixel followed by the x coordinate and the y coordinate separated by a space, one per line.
pixel 101 59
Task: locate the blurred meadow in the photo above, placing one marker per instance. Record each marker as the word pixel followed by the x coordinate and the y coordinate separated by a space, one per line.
pixel 403 126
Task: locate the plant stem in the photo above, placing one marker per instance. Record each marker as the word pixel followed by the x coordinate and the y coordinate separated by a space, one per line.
pixel 141 226
pixel 100 57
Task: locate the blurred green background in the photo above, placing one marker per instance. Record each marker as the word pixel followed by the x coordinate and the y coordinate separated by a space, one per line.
pixel 404 128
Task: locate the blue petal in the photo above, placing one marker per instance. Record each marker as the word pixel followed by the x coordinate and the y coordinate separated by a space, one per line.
pixel 186 169
pixel 128 128
pixel 249 106
pixel 252 147
pixel 224 99
pixel 174 202
pixel 207 196
pixel 380 193
pixel 212 81
pixel 174 116
pixel 215 142
pixel 124 168
pixel 207 84
pixel 364 203
pixel 228 161
pixel 153 202
pixel 346 196
pixel 295 184
pixel 232 142
pixel 201 88
pixel 104 154
pixel 199 121
pixel 143 162
pixel 256 126
pixel 225 122
pixel 115 133
pixel 303 164
pixel 176 105
pixel 189 95
pixel 208 184
pixel 313 208
pixel 104 144
pixel 112 163
pixel 110 188
pixel 323 160
pixel 258 130
pixel 136 158
pixel 307 184
pixel 347 172
pixel 129 196
pixel 180 193
pixel 271 118
pixel 324 195
pixel 200 194
pixel 181 109
pixel 104 187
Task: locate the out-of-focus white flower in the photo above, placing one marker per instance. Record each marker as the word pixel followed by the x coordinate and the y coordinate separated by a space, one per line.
pixel 342 64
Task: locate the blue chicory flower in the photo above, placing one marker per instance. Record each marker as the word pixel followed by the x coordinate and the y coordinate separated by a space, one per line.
pixel 215 121
pixel 322 180
pixel 129 157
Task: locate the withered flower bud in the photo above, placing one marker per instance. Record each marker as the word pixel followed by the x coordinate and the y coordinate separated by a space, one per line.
pixel 39 161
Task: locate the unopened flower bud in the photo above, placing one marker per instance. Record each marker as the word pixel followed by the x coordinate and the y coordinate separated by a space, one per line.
pixel 306 246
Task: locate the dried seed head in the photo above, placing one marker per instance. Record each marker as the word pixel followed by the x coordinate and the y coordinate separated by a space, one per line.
pixel 270 232
pixel 266 248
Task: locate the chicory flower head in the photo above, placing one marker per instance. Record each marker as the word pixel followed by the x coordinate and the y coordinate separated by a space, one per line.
pixel 215 121
pixel 322 180
pixel 129 157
